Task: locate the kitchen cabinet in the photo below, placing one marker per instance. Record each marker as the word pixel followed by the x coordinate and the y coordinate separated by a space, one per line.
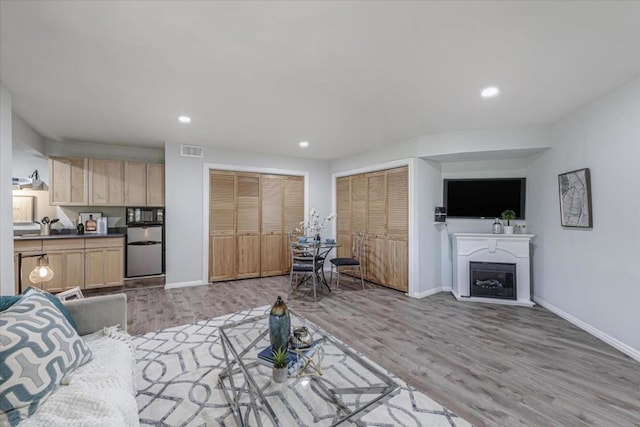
pixel 103 262
pixel 377 203
pixel 135 184
pixel 106 182
pixel 84 262
pixel 68 181
pixel 155 184
pixel 66 259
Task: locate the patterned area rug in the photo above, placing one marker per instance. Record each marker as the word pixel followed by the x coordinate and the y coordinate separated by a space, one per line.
pixel 177 380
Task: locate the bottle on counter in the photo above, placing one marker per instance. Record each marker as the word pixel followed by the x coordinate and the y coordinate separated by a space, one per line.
pixel 90 224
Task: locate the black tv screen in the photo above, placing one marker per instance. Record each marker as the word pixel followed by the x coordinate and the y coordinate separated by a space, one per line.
pixel 484 198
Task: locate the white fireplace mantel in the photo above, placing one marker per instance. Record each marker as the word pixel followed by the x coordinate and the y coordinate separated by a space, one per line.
pixel 503 248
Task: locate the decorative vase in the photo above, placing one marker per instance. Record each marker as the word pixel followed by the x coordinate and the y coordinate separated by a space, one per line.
pixel 508 229
pixel 279 375
pixel 279 325
pixel 301 337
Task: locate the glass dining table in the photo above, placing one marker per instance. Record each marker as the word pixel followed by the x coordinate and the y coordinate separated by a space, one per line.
pixel 320 250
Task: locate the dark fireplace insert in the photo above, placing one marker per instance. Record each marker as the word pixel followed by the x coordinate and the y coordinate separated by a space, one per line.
pixel 493 280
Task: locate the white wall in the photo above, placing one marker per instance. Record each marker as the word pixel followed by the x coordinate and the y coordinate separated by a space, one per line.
pixel 592 276
pixel 185 231
pixel 6 210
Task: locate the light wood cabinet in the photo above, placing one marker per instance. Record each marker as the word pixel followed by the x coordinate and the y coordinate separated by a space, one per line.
pixel 104 262
pixel 66 259
pixel 68 182
pixel 377 203
pixel 95 182
pixel 106 182
pixel 135 183
pixel 249 214
pixel 155 184
pixel 87 263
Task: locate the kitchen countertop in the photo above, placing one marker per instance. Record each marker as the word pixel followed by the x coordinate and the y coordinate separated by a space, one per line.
pixel 67 236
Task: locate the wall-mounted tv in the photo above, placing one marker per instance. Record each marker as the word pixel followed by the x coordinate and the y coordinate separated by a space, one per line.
pixel 484 198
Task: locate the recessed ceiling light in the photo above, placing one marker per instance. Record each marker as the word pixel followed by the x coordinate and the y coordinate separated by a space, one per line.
pixel 184 119
pixel 490 92
pixel 303 144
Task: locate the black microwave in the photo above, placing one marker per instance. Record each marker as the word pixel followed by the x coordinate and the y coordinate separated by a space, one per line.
pixel 145 216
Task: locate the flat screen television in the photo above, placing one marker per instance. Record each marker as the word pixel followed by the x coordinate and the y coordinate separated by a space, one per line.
pixel 484 198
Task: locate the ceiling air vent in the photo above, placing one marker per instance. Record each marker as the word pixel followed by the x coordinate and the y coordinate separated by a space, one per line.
pixel 191 150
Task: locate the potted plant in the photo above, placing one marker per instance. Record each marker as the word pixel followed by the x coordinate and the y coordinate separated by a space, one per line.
pixel 508 215
pixel 280 365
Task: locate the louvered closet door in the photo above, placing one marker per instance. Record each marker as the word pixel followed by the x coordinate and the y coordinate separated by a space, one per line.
pixel 376 227
pixel 293 193
pixel 343 219
pixel 398 229
pixel 271 253
pixel 248 225
pixel 222 226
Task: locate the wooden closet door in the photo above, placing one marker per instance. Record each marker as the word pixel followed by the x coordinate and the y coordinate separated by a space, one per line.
pixel 398 229
pixel 271 200
pixel 376 227
pixel 222 226
pixel 293 199
pixel 343 217
pixel 248 225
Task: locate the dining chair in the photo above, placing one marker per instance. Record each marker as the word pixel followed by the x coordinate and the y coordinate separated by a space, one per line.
pixel 354 263
pixel 305 262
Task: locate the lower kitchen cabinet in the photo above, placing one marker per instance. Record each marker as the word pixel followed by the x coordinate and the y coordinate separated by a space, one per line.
pixel 87 263
pixel 103 262
pixel 66 259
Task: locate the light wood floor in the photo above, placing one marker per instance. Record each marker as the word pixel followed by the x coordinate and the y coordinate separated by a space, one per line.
pixel 493 365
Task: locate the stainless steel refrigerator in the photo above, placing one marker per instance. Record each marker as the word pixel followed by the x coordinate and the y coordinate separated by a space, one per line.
pixel 145 242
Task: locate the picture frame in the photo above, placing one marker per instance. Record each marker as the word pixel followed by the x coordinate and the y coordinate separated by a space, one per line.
pixel 84 216
pixel 574 189
pixel 23 210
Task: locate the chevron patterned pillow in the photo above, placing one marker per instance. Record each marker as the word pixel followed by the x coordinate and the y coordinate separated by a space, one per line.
pixel 38 348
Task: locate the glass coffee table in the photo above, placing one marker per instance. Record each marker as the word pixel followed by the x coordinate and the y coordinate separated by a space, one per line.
pixel 348 387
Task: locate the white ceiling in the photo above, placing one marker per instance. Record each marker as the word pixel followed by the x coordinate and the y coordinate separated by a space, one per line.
pixel 346 76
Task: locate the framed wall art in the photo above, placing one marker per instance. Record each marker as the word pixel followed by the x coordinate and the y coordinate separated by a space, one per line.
pixel 575 199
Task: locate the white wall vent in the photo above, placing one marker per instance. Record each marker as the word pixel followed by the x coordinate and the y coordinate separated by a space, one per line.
pixel 191 151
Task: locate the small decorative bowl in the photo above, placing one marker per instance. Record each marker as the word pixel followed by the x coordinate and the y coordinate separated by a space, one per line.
pixel 330 241
pixel 302 240
pixel 301 337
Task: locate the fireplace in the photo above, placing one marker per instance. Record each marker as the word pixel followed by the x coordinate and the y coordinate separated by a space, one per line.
pixel 492 280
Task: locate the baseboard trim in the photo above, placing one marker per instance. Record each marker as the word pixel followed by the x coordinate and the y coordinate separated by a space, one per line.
pixel 613 342
pixel 184 284
pixel 426 293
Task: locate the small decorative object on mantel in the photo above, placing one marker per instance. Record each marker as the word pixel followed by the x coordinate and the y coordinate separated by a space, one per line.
pixel 508 215
pixel 279 325
pixel 575 199
pixel 497 227
pixel 280 362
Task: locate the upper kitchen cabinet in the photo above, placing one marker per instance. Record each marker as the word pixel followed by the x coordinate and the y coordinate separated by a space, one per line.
pixel 143 184
pixel 135 183
pixel 155 184
pixel 106 182
pixel 68 181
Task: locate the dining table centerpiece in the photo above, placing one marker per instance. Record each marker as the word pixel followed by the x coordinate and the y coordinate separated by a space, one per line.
pixel 314 226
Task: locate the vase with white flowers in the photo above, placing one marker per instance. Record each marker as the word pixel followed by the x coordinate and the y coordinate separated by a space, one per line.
pixel 315 225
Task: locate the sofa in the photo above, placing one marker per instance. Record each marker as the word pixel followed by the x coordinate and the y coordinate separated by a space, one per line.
pixel 89 378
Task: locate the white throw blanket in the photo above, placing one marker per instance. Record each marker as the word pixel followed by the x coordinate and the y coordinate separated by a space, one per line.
pixel 99 393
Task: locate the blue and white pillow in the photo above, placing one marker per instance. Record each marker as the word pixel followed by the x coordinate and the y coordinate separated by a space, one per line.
pixel 38 348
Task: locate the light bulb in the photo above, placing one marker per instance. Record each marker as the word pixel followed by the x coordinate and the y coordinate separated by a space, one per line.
pixel 42 272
